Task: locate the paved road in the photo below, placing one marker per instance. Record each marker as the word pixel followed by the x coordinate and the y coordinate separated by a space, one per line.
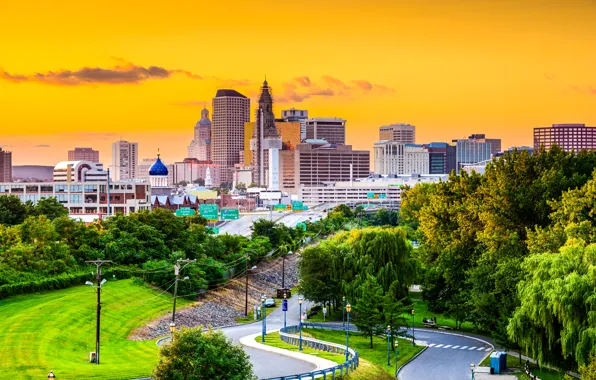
pixel 290 219
pixel 266 364
pixel 448 357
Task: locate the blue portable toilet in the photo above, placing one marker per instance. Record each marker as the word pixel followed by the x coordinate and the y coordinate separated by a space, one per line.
pixel 503 361
pixel 495 363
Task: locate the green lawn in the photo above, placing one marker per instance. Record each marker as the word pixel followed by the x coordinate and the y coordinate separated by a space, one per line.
pixel 421 311
pixel 377 355
pixel 330 317
pixel 513 362
pixel 56 331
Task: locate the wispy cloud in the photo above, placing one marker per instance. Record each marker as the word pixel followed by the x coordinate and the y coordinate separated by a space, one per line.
pixel 42 146
pixel 124 73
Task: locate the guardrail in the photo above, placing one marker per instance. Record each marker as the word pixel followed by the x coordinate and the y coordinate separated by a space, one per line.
pixel 328 326
pixel 287 335
pixel 528 372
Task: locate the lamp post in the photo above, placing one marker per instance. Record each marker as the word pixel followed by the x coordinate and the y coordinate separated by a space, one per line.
pixel 472 369
pixel 264 315
pixel 396 344
pixel 300 323
pixel 388 345
pixel 51 375
pixel 413 344
pixel 172 329
pixel 285 308
pixel 348 309
pixel 343 312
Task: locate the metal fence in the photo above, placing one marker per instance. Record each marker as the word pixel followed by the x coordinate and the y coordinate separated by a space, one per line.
pixel 287 335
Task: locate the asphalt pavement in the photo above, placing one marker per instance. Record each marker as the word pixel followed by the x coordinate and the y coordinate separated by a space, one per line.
pixel 448 357
pixel 242 226
pixel 267 364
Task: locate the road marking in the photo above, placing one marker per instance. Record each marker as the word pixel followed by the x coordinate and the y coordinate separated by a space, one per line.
pixel 431 345
pixel 454 347
pixel 464 347
pixel 472 348
pixel 438 346
pixel 488 349
pixel 447 346
pixel 481 348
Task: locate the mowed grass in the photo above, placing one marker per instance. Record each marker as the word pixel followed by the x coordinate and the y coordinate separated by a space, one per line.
pixel 513 362
pixel 55 331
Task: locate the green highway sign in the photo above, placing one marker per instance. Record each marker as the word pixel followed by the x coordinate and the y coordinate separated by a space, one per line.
pixel 279 206
pixel 301 225
pixel 215 230
pixel 209 211
pixel 230 214
pixel 297 206
pixel 371 195
pixel 185 212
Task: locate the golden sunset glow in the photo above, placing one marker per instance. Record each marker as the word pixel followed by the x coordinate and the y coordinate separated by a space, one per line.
pixel 86 74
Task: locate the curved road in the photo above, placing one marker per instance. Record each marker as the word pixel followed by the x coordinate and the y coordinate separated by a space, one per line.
pixel 447 357
pixel 267 364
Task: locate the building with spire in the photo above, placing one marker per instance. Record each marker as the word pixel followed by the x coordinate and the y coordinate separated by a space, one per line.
pixel 200 146
pixel 265 143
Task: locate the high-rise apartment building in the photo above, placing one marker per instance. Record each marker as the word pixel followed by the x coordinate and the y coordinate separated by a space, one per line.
pixel 231 110
pixel 125 158
pixel 200 146
pixel 83 154
pixel 442 157
pixel 5 166
pixel 395 158
pixel 403 133
pixel 330 129
pixel 568 137
pixel 295 115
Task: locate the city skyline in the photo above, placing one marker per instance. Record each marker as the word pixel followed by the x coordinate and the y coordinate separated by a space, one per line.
pixel 507 67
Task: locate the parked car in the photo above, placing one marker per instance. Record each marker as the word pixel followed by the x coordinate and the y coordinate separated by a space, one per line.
pixel 269 302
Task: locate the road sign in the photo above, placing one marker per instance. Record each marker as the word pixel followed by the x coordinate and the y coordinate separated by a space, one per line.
pixel 230 214
pixel 185 212
pixel 279 206
pixel 215 230
pixel 371 195
pixel 301 225
pixel 284 305
pixel 324 310
pixel 209 211
pixel 297 205
pixel 382 196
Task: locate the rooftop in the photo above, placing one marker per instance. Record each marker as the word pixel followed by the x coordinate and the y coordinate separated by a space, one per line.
pixel 227 92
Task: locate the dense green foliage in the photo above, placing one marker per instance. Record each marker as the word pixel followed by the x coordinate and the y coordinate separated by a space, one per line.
pixel 198 355
pixel 483 243
pixel 13 212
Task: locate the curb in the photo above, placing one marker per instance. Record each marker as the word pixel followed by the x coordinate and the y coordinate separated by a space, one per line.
pixel 411 359
pixel 213 328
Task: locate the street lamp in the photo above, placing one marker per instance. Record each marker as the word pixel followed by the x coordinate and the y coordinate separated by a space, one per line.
pixel 300 323
pixel 413 344
pixel 396 344
pixel 51 375
pixel 285 308
pixel 472 369
pixel 264 315
pixel 348 309
pixel 343 312
pixel 388 345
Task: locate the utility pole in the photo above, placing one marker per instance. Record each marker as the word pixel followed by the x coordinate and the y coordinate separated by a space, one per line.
pixel 246 287
pixel 98 264
pixel 177 273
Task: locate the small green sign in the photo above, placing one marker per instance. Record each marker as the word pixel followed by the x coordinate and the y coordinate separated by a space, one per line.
pixel 209 211
pixel 279 206
pixel 383 196
pixel 370 195
pixel 297 206
pixel 215 230
pixel 185 212
pixel 230 214
pixel 301 225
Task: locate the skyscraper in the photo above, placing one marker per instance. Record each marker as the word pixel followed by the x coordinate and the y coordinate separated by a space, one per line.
pixel 567 136
pixel 265 143
pixel 330 129
pixel 231 110
pixel 200 147
pixel 495 144
pixel 83 154
pixel 403 133
pixel 125 158
pixel 396 158
pixel 5 166
pixel 299 116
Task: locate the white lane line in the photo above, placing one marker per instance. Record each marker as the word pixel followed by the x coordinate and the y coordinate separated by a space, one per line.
pixel 454 347
pixel 438 346
pixel 464 347
pixel 431 345
pixel 447 346
pixel 488 349
pixel 472 348
pixel 481 348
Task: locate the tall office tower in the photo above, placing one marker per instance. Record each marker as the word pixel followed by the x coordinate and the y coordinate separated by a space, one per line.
pixel 200 146
pixel 83 154
pixel 5 166
pixel 231 110
pixel 403 133
pixel 567 136
pixel 125 158
pixel 495 144
pixel 472 151
pixel 330 129
pixel 441 157
pixel 295 115
pixel 395 158
pixel 265 143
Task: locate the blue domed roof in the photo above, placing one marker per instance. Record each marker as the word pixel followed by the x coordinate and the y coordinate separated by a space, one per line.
pixel 158 168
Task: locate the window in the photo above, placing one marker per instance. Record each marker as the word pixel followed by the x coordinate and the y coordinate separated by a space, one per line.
pixel 76 198
pixel 90 188
pixel 76 188
pixel 47 189
pixel 32 188
pixel 33 198
pixel 4 189
pixel 61 188
pixel 62 198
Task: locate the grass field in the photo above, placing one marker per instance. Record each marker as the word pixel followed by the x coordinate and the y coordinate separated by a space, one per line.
pixel 513 362
pixel 56 331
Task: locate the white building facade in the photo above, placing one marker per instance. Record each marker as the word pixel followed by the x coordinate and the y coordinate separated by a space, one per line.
pixel 393 157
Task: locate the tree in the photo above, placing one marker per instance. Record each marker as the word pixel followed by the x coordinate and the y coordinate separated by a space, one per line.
pixel 12 210
pixel 199 181
pixel 394 311
pixel 241 186
pixel 50 208
pixel 198 355
pixel 316 280
pixel 369 318
pixel 182 183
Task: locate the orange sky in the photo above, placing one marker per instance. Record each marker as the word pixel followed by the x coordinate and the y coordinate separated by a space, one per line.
pixel 449 67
